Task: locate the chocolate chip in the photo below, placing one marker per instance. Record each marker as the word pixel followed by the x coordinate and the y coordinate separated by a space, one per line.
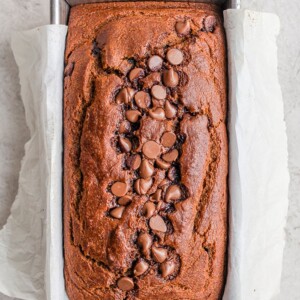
pixel 125 95
pixel 140 268
pixel 125 144
pixel 157 195
pixel 133 162
pixel 136 73
pixel 145 241
pixel 175 56
pixel 157 223
pixel 119 189
pixel 170 110
pixel 142 185
pixel 151 79
pixel 125 127
pixel 155 63
pixel 170 78
pixel 125 284
pixel 151 149
pixel 173 193
pixel 117 212
pixel 161 206
pixel 164 183
pixel 159 92
pixel 162 164
pixel 183 27
pixel 168 139
pixel 159 254
pixel 167 268
pixel 146 169
pixel 157 113
pixel 171 156
pixel 132 115
pixel 172 174
pixel 125 200
pixel 142 99
pixel 210 23
pixel 148 209
pixel 69 69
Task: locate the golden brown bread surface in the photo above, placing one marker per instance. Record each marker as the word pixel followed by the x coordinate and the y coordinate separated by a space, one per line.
pixel 145 152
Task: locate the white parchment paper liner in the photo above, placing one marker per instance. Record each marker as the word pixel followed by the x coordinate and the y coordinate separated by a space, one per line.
pixel 31 242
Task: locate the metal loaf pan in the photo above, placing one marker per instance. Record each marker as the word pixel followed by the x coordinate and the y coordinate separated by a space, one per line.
pixel 59 9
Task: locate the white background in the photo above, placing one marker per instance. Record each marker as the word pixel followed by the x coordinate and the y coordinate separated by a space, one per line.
pixel 20 15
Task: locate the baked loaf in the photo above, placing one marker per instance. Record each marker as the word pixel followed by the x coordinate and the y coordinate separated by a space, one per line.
pixel 145 161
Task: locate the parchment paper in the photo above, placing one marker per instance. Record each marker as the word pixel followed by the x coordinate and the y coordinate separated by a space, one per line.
pixel 31 242
pixel 258 174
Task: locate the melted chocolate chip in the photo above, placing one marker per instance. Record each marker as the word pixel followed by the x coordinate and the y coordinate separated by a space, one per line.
pixel 183 27
pixel 119 189
pixel 155 63
pixel 170 78
pixel 175 56
pixel 142 99
pixel 132 115
pixel 125 283
pixel 159 92
pixel 157 223
pixel 168 139
pixel 151 149
pixel 146 169
pixel 159 254
pixel 117 212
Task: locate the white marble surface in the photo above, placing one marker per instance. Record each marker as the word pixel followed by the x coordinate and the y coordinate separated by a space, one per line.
pixel 21 15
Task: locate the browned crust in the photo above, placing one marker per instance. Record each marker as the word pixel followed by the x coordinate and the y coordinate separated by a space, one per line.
pixel 97 248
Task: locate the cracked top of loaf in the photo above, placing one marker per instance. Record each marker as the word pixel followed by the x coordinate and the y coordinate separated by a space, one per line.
pixel 145 152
